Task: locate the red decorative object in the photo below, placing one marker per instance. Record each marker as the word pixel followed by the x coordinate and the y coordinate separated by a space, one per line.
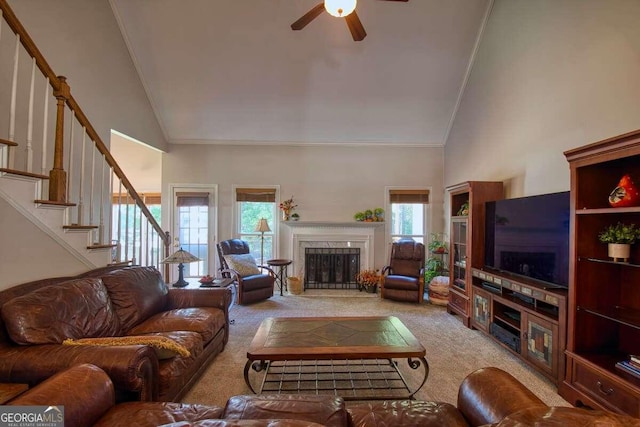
pixel 625 194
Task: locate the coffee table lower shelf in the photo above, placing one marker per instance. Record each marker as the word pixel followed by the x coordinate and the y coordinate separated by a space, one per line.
pixel 359 379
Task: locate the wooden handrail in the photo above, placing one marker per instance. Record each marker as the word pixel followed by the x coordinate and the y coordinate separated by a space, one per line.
pixel 59 86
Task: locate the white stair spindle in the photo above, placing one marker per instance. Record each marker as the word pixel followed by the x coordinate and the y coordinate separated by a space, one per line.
pixel 126 229
pixel 45 124
pixel 120 240
pixel 81 185
pixel 14 94
pixel 103 201
pixel 29 149
pixel 70 167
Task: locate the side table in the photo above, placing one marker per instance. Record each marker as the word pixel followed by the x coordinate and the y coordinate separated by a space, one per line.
pixel 10 390
pixel 281 271
pixel 219 282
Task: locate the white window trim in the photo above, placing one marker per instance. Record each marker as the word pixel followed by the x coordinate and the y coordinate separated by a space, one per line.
pixel 428 217
pixel 213 222
pixel 235 214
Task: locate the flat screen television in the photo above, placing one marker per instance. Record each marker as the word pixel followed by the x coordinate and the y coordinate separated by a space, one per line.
pixel 529 237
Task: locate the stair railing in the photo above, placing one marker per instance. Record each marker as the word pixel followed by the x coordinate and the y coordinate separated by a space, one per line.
pixel 41 104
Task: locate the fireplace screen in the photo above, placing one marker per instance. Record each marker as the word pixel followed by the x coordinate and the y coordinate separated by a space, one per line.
pixel 331 268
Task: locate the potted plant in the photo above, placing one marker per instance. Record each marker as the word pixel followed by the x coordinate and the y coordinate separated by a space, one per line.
pixel 359 216
pixel 368 280
pixel 378 214
pixel 295 216
pixel 438 243
pixel 619 237
pixel 432 268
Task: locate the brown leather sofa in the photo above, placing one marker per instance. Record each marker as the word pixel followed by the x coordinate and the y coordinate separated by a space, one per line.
pixel 488 396
pixel 112 302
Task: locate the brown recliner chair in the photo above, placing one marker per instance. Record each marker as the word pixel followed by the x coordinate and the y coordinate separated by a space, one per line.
pixel 403 278
pixel 252 287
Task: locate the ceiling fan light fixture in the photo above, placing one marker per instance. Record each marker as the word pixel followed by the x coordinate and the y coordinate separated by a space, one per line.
pixel 340 8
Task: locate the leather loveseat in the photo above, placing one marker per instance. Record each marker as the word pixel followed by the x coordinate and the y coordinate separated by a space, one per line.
pixel 488 396
pixel 108 304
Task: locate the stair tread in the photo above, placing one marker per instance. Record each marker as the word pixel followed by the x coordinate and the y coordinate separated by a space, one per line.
pixel 51 202
pixel 79 227
pixel 101 246
pixel 23 173
pixel 9 143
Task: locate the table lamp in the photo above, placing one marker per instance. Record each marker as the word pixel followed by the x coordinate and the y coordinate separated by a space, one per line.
pixel 262 227
pixel 179 257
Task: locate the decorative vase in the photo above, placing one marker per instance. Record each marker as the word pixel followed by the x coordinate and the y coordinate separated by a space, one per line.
pixel 619 251
pixel 285 215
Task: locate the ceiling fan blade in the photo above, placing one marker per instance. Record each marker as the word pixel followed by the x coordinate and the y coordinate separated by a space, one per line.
pixel 308 17
pixel 355 26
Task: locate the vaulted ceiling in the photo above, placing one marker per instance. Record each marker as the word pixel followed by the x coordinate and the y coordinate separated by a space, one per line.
pixel 233 71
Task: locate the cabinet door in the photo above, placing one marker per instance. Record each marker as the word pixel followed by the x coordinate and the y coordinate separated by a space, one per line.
pixel 481 307
pixel 459 254
pixel 541 341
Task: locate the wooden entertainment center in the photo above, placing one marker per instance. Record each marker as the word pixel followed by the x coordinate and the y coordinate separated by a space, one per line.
pixel 604 296
pixel 522 315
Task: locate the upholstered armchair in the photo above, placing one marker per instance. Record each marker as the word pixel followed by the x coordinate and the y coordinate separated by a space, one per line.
pixel 255 282
pixel 403 278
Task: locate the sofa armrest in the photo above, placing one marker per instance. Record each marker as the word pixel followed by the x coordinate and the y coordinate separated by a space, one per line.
pixel 85 391
pixel 488 395
pixel 133 369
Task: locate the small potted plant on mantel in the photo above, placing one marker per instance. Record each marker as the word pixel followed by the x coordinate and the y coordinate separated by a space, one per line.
pixel 619 237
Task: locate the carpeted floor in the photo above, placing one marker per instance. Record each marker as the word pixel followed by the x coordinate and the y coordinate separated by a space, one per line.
pixel 452 350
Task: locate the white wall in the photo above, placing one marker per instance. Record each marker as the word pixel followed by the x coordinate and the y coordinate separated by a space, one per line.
pixel 549 75
pixel 328 183
pixel 27 253
pixel 80 39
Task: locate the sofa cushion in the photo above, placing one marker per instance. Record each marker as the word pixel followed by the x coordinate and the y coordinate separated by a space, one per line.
pixel 156 413
pixel 244 264
pixel 77 308
pixel 207 321
pixel 164 347
pixel 324 409
pixel 243 423
pixel 136 293
pixel 406 413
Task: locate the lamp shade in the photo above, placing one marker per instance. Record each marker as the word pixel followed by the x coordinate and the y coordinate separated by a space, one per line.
pixel 340 8
pixel 179 257
pixel 262 226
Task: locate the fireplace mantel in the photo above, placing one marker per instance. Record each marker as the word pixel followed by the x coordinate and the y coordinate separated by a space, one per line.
pixel 330 224
pixel 332 234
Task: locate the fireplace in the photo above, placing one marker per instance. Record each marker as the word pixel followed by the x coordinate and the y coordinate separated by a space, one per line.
pixel 351 237
pixel 331 268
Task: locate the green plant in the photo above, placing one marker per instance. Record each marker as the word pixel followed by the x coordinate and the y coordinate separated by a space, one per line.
pixel 359 216
pixel 437 243
pixel 620 233
pixel 432 268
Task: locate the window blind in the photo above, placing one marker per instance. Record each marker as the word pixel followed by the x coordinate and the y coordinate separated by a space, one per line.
pixel 256 195
pixel 192 199
pixel 409 196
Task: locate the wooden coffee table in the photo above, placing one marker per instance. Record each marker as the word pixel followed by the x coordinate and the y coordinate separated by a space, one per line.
pixel 351 357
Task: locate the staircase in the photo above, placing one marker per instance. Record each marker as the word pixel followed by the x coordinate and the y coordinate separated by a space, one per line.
pixel 56 172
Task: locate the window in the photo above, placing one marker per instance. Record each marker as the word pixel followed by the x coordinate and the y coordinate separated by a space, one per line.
pixel 192 210
pixel 254 204
pixel 409 214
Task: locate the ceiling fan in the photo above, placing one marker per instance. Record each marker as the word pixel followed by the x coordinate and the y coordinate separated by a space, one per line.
pixel 341 9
